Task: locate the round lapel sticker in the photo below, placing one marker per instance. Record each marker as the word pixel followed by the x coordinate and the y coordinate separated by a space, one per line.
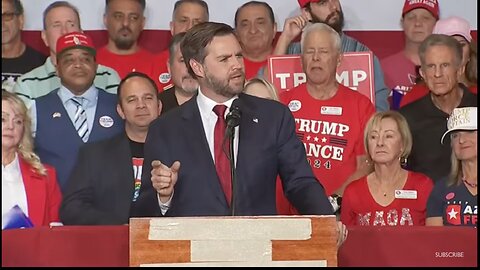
pixel 106 121
pixel 164 77
pixel 294 105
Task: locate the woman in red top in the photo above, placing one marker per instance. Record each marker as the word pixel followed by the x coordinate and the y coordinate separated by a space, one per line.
pixel 390 195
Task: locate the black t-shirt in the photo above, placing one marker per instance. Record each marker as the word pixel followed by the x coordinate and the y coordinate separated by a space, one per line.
pixel 168 99
pixel 427 124
pixel 136 148
pixel 12 68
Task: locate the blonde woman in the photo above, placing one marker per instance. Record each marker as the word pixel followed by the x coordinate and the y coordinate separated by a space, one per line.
pixel 26 182
pixel 390 195
pixel 260 87
pixel 454 200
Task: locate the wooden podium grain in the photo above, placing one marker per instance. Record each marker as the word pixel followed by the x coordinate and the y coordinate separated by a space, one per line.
pixel 178 241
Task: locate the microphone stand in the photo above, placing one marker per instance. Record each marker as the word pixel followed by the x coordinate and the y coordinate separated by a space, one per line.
pixel 233 172
pixel 233 120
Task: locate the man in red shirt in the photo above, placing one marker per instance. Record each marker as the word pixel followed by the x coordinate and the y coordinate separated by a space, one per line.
pixel 125 21
pixel 255 27
pixel 330 118
pixel 418 20
pixel 186 14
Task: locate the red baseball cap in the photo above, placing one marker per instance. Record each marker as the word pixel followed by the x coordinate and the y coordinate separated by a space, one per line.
pixel 303 3
pixel 75 40
pixel 430 5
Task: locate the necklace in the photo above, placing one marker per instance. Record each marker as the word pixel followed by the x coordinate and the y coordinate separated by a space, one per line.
pixel 397 178
pixel 472 185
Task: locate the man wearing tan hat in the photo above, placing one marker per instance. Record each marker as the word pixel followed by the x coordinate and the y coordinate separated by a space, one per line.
pixel 418 20
pixel 77 112
pixel 329 12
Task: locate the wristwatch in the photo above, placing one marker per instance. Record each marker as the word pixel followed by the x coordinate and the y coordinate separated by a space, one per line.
pixel 335 201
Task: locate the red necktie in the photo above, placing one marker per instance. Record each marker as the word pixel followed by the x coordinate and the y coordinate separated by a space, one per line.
pixel 222 164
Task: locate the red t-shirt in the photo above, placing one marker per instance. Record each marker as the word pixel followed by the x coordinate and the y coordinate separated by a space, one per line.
pixel 399 72
pixel 420 90
pixel 331 130
pixel 360 208
pixel 252 67
pixel 160 71
pixel 284 207
pixel 141 61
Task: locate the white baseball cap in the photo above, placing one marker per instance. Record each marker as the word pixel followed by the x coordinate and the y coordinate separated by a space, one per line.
pixel 461 119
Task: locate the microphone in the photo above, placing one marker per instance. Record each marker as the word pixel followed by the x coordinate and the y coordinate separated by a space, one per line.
pixel 234 116
pixel 233 120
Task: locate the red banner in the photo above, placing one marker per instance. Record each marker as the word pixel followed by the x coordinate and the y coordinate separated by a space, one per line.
pixel 355 71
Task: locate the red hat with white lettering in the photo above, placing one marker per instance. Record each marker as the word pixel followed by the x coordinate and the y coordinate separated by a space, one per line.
pixel 430 5
pixel 75 40
pixel 303 3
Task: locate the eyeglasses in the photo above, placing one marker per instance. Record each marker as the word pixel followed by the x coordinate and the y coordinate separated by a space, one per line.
pixel 8 16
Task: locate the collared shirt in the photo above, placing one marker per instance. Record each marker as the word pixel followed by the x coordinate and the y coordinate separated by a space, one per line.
pixel 43 79
pixel 90 100
pixel 13 189
pixel 427 124
pixel 209 119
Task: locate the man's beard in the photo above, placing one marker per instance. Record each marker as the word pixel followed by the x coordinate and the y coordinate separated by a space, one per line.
pixel 124 43
pixel 337 25
pixel 189 85
pixel 222 87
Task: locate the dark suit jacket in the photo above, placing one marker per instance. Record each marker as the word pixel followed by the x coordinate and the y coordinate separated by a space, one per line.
pixel 100 188
pixel 43 194
pixel 267 146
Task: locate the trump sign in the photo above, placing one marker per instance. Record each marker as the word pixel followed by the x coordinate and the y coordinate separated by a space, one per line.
pixel 355 71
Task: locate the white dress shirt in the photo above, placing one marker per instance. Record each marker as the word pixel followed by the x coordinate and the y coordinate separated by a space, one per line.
pixel 209 119
pixel 13 189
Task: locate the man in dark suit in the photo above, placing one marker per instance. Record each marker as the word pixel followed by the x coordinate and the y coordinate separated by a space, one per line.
pixel 186 156
pixel 106 179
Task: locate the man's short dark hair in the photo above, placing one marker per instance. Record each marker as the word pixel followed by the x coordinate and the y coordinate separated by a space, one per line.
pixel 259 3
pixel 141 2
pixel 58 4
pixel 176 39
pixel 131 75
pixel 193 45
pixel 198 2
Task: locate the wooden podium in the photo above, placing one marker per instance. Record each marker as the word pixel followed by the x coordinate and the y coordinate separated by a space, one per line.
pixel 234 241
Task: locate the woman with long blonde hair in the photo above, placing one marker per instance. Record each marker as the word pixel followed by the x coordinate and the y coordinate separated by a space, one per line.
pixel 26 182
pixel 453 201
